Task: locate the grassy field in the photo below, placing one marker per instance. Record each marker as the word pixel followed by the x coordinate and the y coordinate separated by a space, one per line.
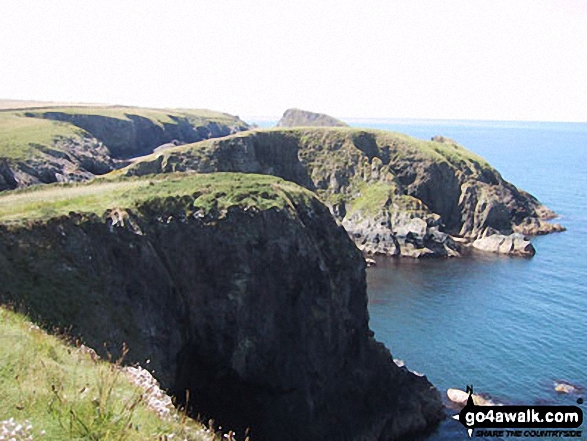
pixel 55 391
pixel 218 190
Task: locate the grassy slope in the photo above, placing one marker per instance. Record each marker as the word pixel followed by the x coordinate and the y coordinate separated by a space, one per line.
pixel 64 394
pixel 218 190
pixel 20 135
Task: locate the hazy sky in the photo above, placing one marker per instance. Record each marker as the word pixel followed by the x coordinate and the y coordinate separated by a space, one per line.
pixel 470 59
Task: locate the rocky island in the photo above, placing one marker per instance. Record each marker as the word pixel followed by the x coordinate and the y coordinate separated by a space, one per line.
pixel 239 288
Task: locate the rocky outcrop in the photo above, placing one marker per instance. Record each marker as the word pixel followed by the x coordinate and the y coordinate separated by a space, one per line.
pixel 304 118
pixel 261 313
pixel 395 195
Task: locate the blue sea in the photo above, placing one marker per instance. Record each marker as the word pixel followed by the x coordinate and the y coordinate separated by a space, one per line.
pixel 511 327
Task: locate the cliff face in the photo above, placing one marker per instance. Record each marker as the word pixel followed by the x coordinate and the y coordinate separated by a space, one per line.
pixel 303 118
pixel 71 144
pixel 257 307
pixel 395 195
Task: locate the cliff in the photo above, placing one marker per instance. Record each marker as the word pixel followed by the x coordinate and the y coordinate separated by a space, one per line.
pixel 64 144
pixel 304 118
pixel 394 194
pixel 239 288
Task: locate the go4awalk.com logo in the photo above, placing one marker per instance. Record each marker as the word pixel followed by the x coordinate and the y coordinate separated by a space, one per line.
pixel 520 421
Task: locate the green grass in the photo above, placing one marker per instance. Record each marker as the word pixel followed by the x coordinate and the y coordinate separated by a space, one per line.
pixel 206 192
pixel 20 136
pixel 65 394
pixel 372 198
pixel 158 116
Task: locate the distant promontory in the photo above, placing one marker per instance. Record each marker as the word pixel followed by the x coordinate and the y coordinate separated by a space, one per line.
pixel 304 118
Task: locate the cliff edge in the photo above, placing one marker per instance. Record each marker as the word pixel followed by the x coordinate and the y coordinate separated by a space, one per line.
pixel 239 288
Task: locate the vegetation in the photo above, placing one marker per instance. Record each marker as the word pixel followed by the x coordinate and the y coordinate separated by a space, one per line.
pixel 54 390
pixel 159 116
pixel 21 137
pixel 205 192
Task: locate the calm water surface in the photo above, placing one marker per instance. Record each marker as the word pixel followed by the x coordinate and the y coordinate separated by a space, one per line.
pixel 509 326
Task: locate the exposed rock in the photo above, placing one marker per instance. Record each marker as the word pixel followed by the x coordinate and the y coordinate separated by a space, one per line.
pixel 460 397
pixel 515 244
pixel 564 387
pixel 395 195
pixel 304 118
pixel 260 313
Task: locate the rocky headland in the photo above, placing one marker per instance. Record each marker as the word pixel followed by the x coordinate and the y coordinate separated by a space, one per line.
pixel 395 195
pixel 239 288
pixel 68 144
pixel 304 118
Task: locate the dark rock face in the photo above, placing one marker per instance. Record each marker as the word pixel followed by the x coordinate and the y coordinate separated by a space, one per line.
pixel 304 118
pixel 413 200
pixel 138 135
pixel 261 315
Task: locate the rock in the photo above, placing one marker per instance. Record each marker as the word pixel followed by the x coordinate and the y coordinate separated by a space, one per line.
pixel 514 244
pixel 460 398
pixel 564 387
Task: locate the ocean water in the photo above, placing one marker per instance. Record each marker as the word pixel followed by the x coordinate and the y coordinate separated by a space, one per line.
pixel 509 326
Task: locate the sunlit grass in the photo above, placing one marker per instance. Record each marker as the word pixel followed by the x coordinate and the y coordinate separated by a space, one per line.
pixel 63 392
pixel 205 192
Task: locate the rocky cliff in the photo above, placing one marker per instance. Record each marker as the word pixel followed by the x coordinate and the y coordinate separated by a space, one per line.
pixel 394 194
pixel 66 144
pixel 241 289
pixel 304 118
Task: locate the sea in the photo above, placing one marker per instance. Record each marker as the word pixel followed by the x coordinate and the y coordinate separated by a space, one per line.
pixel 510 327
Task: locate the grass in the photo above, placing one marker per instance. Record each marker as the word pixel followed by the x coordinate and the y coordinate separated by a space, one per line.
pixel 206 192
pixel 65 393
pixel 372 198
pixel 158 116
pixel 20 136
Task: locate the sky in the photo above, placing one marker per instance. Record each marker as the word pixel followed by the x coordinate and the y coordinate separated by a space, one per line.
pixel 443 59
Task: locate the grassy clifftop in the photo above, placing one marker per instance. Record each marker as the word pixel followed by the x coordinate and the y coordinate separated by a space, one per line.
pixel 218 191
